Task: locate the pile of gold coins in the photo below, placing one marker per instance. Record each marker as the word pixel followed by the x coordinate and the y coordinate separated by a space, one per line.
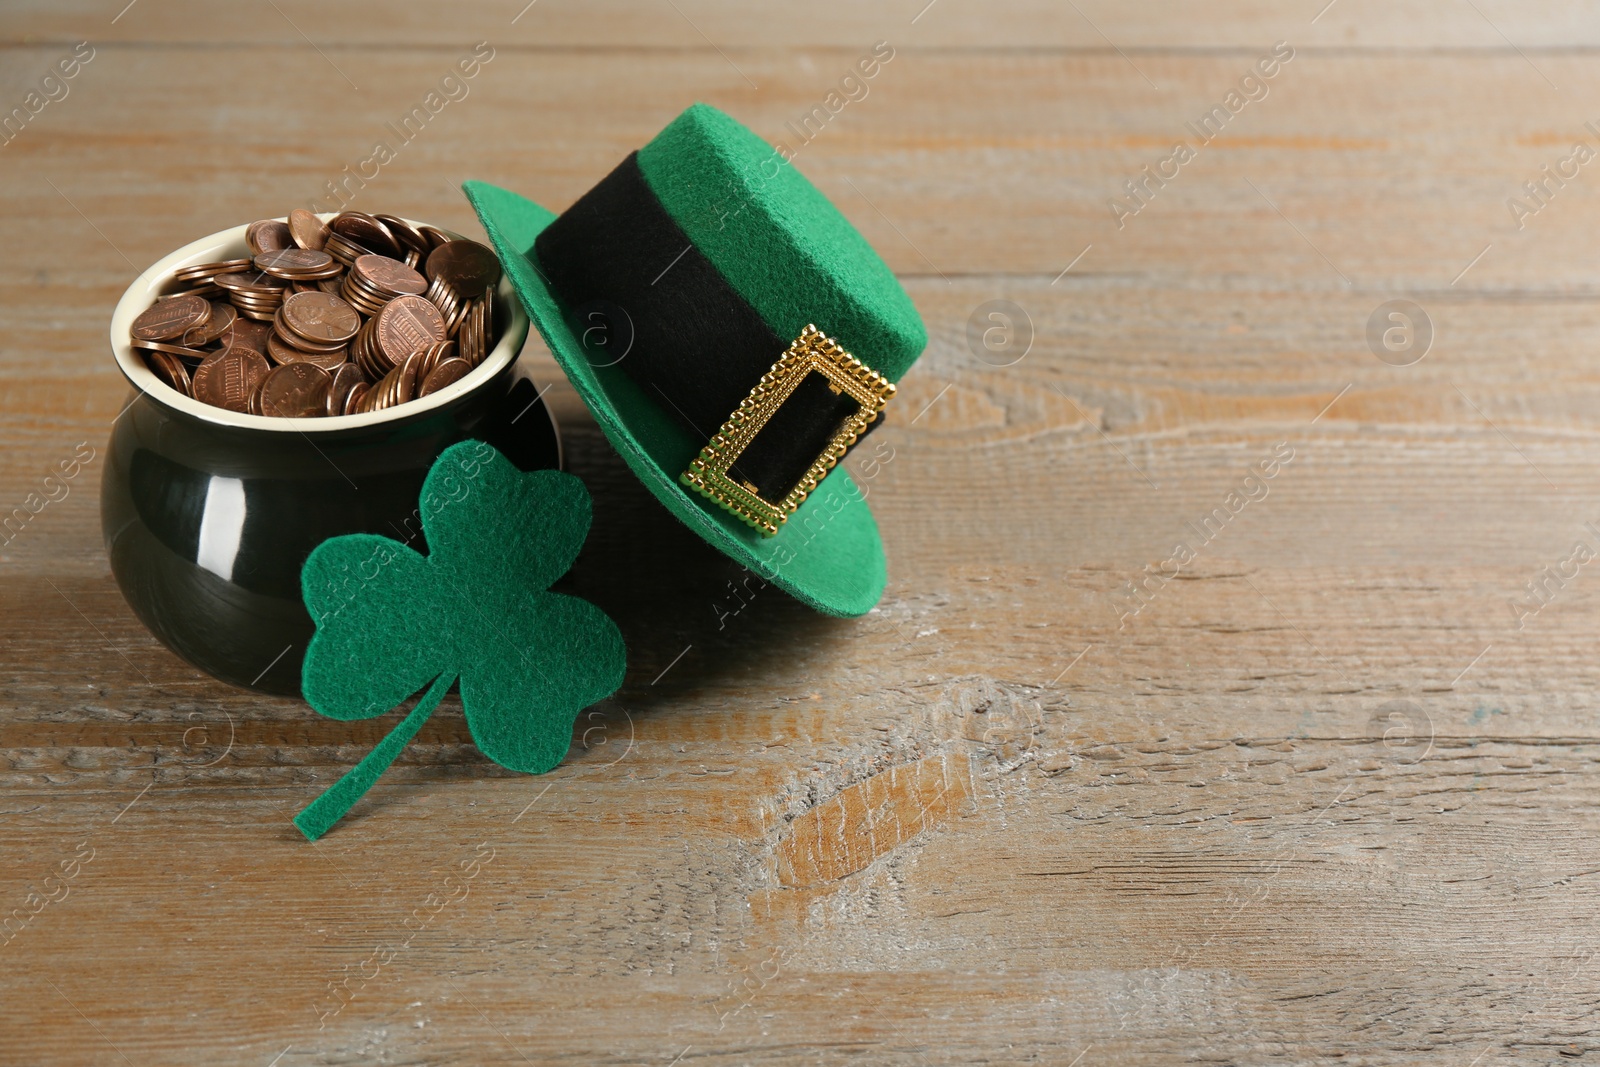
pixel 356 314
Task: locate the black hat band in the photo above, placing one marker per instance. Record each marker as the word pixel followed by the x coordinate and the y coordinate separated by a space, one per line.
pixel 637 293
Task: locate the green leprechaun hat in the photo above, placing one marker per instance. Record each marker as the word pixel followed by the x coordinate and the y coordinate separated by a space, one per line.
pixel 733 335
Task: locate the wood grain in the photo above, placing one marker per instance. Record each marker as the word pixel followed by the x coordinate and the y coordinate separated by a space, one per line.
pixel 1317 795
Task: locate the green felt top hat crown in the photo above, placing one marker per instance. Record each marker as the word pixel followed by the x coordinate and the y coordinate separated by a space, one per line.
pixel 733 335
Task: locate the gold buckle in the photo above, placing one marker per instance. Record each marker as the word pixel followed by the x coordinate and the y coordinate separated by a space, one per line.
pixel 811 351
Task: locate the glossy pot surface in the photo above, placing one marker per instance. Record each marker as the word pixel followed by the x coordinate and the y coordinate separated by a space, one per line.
pixel 208 515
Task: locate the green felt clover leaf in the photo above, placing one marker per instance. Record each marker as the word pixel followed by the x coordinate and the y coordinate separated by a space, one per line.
pixel 391 621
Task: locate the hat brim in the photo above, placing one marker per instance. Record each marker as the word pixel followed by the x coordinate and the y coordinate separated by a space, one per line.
pixel 828 555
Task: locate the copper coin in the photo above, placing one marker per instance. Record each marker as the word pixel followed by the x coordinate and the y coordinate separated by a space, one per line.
pixel 433 356
pixel 180 351
pixel 389 276
pixel 410 381
pixel 307 230
pixel 385 394
pixel 169 318
pixel 322 317
pixel 411 239
pixel 345 379
pixel 227 379
pixel 295 391
pixel 296 263
pixel 366 231
pixel 251 282
pixel 469 267
pixel 352 402
pixel 247 333
pixel 343 249
pixel 406 324
pixel 266 235
pixel 447 373
pixel 358 298
pixel 222 316
pixel 466 335
pixel 210 270
pixel 471 335
pixel 364 350
pixel 445 299
pixel 294 340
pixel 481 341
pixel 170 370
pixel 256 303
pixel 482 326
pixel 283 354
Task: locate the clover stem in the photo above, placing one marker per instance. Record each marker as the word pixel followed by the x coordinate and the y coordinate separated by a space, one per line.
pixel 320 815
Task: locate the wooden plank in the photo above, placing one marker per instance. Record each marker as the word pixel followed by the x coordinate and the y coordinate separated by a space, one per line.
pixel 705 25
pixel 1321 792
pixel 1343 191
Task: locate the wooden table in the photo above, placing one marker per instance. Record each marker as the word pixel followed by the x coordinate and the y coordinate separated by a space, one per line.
pixel 1319 788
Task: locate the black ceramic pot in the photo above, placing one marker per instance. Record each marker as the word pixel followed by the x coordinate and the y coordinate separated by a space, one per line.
pixel 208 514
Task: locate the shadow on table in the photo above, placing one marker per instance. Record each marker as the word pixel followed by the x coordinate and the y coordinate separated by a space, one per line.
pixel 692 618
